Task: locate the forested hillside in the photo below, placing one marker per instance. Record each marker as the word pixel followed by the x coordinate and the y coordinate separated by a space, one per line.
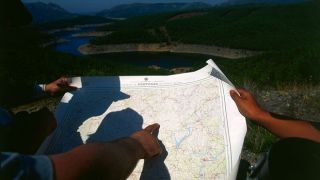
pixel 288 36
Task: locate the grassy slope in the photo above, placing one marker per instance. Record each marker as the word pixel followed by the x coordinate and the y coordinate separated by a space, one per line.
pixel 252 27
pixel 248 27
pixel 288 34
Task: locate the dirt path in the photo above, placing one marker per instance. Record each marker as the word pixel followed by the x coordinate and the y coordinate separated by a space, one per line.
pixel 89 49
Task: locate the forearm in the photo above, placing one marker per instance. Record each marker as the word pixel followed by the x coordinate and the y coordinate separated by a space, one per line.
pixel 98 160
pixel 289 128
pixel 249 108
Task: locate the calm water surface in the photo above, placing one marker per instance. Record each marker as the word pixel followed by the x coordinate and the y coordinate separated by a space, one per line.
pixel 144 59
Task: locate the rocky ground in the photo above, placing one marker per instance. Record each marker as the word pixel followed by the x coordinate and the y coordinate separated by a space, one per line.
pixel 299 102
pixel 50 103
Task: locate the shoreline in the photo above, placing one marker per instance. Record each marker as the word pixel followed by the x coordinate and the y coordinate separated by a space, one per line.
pixel 89 49
pixel 75 27
pixel 92 34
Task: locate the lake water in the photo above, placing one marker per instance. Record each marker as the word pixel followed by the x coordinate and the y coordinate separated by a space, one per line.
pixel 163 60
pixel 72 44
pixel 144 59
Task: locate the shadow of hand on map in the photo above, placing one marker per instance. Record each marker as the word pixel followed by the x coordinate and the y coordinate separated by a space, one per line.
pixel 122 124
pixel 117 125
pixel 87 105
pixel 155 168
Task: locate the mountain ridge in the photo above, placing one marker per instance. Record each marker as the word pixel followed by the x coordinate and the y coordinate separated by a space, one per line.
pixel 46 12
pixel 139 9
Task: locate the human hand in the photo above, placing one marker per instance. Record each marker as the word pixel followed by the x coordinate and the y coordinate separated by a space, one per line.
pixel 148 141
pixel 247 105
pixel 58 86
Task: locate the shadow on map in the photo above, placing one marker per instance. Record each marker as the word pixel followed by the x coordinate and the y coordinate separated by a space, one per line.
pixel 217 74
pixel 118 125
pixel 87 104
pixel 122 124
pixel 155 168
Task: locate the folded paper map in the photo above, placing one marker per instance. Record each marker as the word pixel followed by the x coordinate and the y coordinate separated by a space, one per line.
pixel 201 130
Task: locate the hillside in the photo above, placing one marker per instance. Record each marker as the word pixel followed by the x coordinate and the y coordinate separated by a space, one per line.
pixel 287 34
pixel 79 20
pixel 42 12
pixel 139 9
pixel 248 27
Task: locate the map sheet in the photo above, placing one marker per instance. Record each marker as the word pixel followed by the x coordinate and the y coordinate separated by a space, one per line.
pixel 201 130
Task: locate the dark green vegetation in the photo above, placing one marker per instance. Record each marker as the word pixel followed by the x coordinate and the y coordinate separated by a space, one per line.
pixel 248 27
pixel 258 139
pixel 71 22
pixel 139 9
pixel 288 34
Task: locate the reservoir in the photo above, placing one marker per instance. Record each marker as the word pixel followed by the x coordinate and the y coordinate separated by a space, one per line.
pixel 144 59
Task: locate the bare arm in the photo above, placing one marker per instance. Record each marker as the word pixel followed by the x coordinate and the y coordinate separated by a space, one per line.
pixel 249 108
pixel 114 160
